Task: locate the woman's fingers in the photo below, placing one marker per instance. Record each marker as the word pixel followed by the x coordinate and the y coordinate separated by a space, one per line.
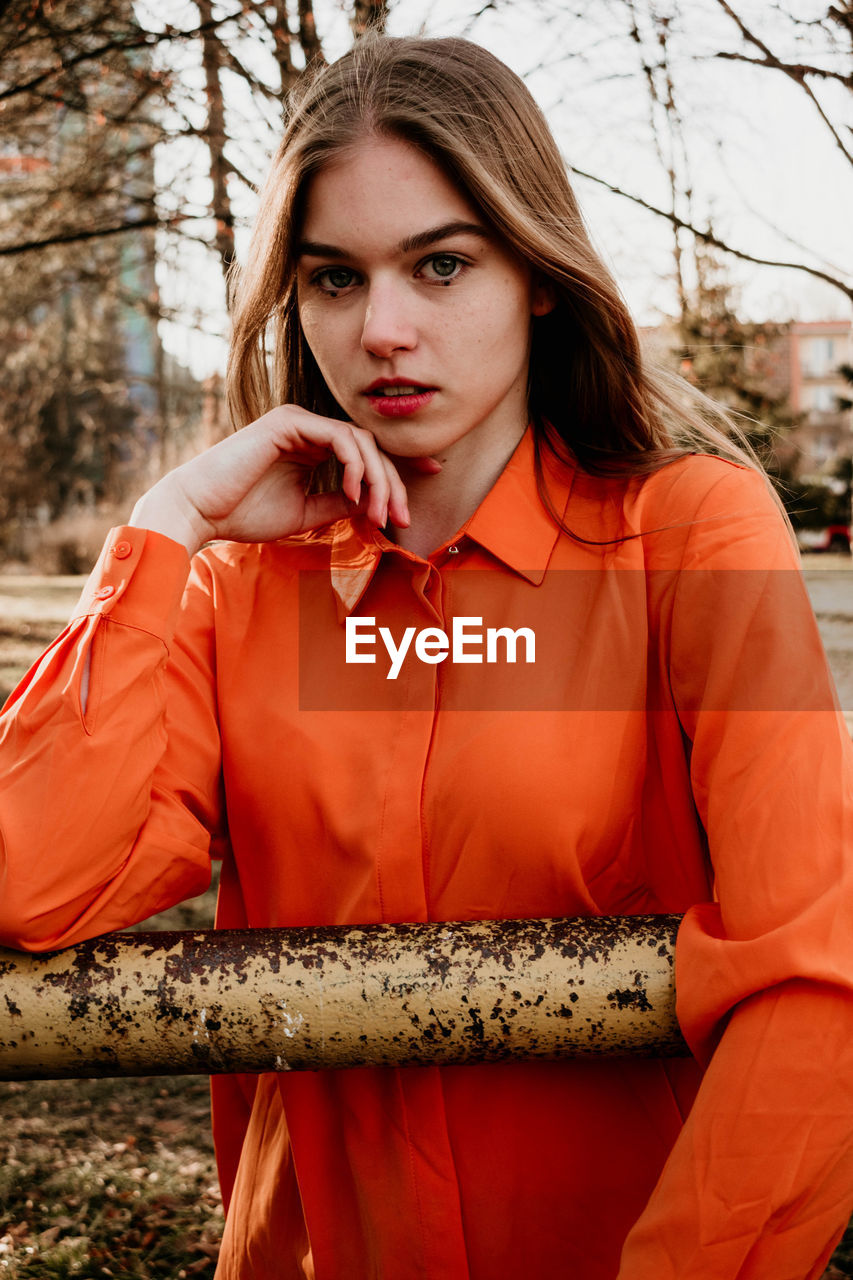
pixel 251 487
pixel 324 508
pixel 386 493
pixel 369 481
pixel 306 439
pixel 375 477
pixel 398 506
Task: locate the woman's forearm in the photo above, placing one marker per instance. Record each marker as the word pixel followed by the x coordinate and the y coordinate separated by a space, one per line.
pixel 760 1182
pixel 95 827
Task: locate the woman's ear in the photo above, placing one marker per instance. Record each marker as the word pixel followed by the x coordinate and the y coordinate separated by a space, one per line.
pixel 544 296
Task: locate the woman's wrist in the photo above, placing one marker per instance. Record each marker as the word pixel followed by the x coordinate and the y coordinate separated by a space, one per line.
pixel 162 510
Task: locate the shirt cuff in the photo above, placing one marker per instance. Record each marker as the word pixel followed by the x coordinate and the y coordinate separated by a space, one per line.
pixel 139 581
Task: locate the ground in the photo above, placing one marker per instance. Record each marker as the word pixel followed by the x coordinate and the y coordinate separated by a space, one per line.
pixel 110 1178
pixel 115 1178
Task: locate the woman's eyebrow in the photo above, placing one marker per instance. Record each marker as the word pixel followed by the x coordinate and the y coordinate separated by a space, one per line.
pixel 421 240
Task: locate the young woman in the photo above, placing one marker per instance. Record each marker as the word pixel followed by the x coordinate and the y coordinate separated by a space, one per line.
pixel 422 309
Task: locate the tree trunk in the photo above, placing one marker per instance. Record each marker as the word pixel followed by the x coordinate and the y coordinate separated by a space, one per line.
pixel 220 204
pixel 369 15
pixel 308 37
pixel 282 39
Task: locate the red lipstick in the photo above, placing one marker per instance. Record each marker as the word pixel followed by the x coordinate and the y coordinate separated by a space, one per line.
pixel 398 397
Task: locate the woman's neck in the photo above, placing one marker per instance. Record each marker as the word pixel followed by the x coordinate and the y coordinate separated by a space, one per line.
pixel 440 504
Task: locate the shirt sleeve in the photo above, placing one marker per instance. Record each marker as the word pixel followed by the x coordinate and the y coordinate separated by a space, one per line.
pixel 106 815
pixel 759 1185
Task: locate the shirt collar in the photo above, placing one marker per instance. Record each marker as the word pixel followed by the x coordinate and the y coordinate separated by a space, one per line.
pixel 511 523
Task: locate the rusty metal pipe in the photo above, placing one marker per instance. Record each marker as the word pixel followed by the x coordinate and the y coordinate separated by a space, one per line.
pixel 304 999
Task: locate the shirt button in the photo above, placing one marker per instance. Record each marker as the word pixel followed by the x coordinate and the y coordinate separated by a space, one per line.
pixel 453 550
pixel 122 550
pixel 104 593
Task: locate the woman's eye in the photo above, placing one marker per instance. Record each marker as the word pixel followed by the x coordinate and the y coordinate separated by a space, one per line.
pixel 443 266
pixel 333 279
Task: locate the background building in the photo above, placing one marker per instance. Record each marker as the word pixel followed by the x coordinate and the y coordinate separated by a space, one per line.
pixel 817 352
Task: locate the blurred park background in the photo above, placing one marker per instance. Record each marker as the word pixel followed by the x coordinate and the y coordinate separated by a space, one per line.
pixel 712 149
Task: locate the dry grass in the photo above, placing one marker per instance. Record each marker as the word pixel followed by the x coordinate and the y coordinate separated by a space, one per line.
pixel 107 1178
pixel 110 1178
pixel 32 611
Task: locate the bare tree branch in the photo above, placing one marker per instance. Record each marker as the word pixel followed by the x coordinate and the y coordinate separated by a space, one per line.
pixel 795 69
pixel 771 60
pixel 96 233
pixel 674 125
pixel 708 236
pixel 147 40
pixel 843 17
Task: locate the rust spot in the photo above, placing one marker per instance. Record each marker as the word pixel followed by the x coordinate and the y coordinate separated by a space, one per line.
pixel 476 1029
pixel 630 998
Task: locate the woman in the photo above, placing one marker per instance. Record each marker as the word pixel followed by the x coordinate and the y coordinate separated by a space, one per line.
pixel 421 307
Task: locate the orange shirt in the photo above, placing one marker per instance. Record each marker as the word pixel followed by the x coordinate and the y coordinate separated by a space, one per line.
pixel 674 747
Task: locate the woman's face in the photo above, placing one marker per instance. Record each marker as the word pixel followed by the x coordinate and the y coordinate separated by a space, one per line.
pixel 417 314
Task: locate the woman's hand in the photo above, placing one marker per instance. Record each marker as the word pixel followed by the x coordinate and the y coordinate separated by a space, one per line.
pixel 251 486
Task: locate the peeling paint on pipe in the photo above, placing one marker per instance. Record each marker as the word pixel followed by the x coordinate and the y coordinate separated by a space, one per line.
pixel 308 999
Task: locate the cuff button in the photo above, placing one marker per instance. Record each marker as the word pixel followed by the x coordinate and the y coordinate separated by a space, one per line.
pixel 104 593
pixel 122 550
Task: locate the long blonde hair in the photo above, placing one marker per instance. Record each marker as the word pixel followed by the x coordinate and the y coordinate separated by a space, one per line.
pixel 591 398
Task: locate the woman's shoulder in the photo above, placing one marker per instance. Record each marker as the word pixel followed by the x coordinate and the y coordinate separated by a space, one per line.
pixel 708 509
pixel 671 503
pixel 702 483
pixel 699 490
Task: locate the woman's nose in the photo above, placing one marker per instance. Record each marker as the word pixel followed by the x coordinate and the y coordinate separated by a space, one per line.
pixel 388 321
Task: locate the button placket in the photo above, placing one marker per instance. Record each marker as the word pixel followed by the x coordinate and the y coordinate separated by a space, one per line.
pixel 432 593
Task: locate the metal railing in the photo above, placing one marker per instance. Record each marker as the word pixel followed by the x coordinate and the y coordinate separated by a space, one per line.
pixel 307 999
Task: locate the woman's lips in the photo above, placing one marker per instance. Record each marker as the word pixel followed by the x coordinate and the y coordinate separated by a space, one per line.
pixel 399 400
